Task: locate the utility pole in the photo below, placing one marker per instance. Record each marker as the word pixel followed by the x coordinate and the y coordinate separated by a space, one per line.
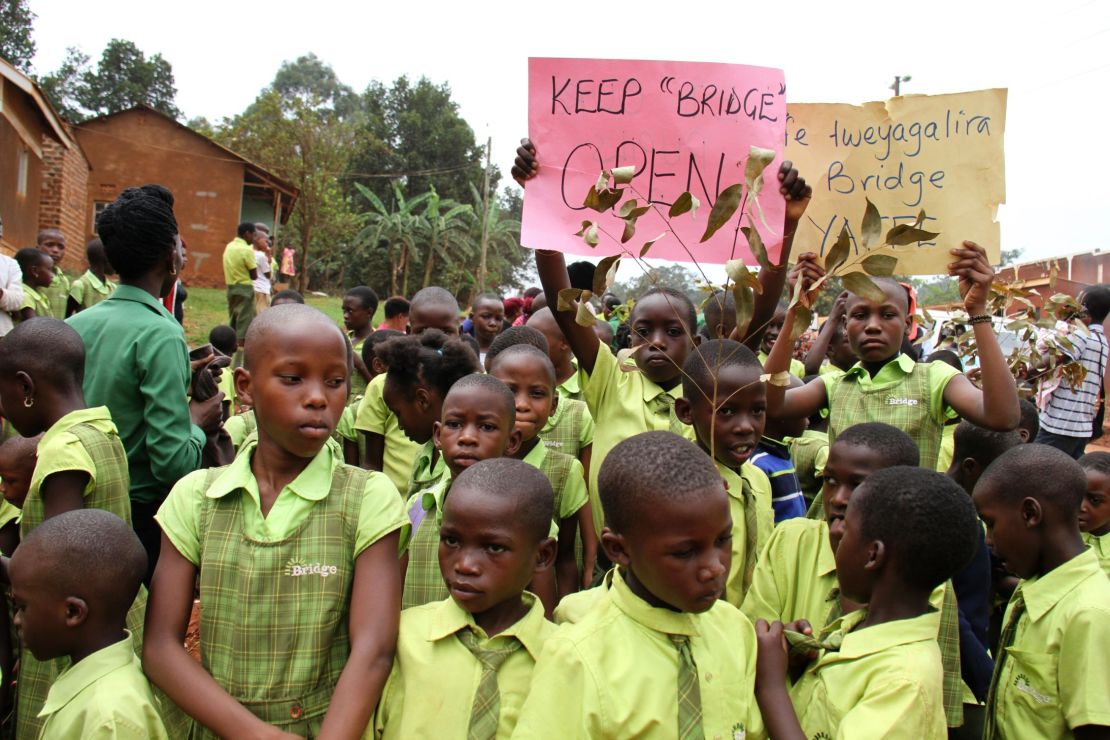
pixel 897 86
pixel 485 218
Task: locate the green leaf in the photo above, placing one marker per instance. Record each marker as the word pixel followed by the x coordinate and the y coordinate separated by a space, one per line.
pixel 860 284
pixel 584 317
pixel 904 234
pixel 685 202
pixel 623 175
pixel 758 159
pixel 744 298
pixel 796 299
pixel 627 207
pixel 758 248
pixel 803 317
pixel 649 244
pixel 602 200
pixel 629 230
pixel 872 225
pixel 880 265
pixel 567 297
pixel 726 205
pixel 605 274
pixel 839 252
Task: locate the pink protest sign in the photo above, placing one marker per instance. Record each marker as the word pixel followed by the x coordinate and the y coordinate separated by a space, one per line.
pixel 684 126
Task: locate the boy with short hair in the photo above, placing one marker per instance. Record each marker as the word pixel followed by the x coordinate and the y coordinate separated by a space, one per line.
pixel 659 653
pixel 52 242
pixel 93 286
pixel 477 423
pixel 73 580
pixel 396 311
pixel 433 308
pixel 359 305
pixel 38 274
pixel 1094 514
pixel 725 402
pixel 906 531
pixel 488 316
pixel 1051 677
pixel 771 333
pixel 1030 423
pixel 478 647
pixel 288 295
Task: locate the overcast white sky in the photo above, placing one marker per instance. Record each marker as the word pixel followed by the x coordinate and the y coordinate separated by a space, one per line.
pixel 1047 54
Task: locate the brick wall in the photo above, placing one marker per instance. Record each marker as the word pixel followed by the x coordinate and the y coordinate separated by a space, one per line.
pixel 63 203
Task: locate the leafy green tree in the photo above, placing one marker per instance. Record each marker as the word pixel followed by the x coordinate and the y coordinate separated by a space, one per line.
pixel 392 228
pixel 313 81
pixel 16 24
pixel 669 276
pixel 63 85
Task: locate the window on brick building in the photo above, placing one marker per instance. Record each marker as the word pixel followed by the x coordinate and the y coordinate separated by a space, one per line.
pixel 98 208
pixel 22 169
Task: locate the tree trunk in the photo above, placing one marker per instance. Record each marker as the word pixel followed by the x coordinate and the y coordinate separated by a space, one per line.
pixel 306 240
pixel 428 264
pixel 393 271
pixel 404 269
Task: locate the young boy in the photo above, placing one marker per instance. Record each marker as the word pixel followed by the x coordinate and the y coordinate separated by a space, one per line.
pixel 296 555
pixel 488 317
pixel 724 401
pixel 772 456
pixel 73 580
pixel 433 308
pixel 1030 423
pixel 396 311
pixel 288 295
pixel 93 286
pixel 52 243
pixel 359 306
pixel 38 274
pixel 771 333
pixel 477 423
pixel 1094 514
pixel 528 373
pixel 558 349
pixel 659 653
pixel 888 386
pixel 1051 677
pixel 477 648
pixel 906 531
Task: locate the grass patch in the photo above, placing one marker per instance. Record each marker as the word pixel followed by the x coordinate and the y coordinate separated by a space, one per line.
pixel 207 307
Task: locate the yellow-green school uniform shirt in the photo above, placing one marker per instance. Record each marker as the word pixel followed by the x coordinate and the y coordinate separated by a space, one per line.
pixel 400 453
pixel 430 691
pixel 60 450
pixel 1099 544
pixel 8 514
pixel 56 294
pixel 797 367
pixel 884 681
pixel 572 386
pixel 180 516
pixel 239 260
pixel 795 577
pixel 623 404
pixel 760 488
pixel 1055 676
pixel 947 448
pixel 358 383
pixel 572 496
pixel 36 300
pixel 89 290
pixel 226 385
pixel 559 434
pixel 573 607
pixel 423 579
pixel 239 427
pixel 105 695
pixel 615 673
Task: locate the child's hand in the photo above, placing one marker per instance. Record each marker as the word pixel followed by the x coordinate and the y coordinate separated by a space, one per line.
pixel 975 274
pixel 525 166
pixel 771 661
pixel 793 186
pixel 809 272
pixel 840 307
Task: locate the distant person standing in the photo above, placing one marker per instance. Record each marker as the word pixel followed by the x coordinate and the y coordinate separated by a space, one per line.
pixel 288 269
pixel 240 272
pixel 53 242
pixel 262 283
pixel 11 289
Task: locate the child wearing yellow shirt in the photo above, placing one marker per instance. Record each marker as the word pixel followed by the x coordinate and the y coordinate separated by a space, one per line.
pixel 1051 677
pixel 659 653
pixel 73 581
pixel 906 531
pixel 463 665
pixel 93 286
pixel 725 402
pixel 38 273
pixel 1094 513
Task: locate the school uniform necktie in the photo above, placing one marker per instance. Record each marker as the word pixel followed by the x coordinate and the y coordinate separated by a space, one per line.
pixel 663 407
pixel 990 726
pixel 751 534
pixel 485 712
pixel 689 691
pixel 836 611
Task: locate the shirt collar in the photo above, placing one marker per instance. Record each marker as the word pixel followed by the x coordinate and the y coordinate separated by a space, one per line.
pixel 94 281
pixel 1043 592
pixel 138 295
pixel 871 640
pixel 449 618
pixel 826 558
pixel 655 618
pixel 313 483
pixel 904 362
pixel 733 481
pixel 571 386
pixel 84 673
pixel 651 390
pixel 431 499
pixel 72 419
pixel 27 289
pixel 775 447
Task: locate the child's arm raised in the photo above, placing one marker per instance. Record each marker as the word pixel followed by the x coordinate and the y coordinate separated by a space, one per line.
pixel 794 403
pixel 820 347
pixel 552 269
pixel 793 187
pixel 375 614
pixel 173 670
pixel 996 406
pixel 770 683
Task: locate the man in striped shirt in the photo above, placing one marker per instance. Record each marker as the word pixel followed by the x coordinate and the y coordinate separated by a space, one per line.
pixel 1066 420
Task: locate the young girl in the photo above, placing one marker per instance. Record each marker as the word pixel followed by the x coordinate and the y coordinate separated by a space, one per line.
pixel 81 463
pixel 296 555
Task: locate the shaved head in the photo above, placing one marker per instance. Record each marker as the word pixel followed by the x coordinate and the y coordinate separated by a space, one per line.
pixel 283 324
pixel 893 289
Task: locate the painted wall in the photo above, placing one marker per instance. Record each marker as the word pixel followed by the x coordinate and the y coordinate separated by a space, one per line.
pixel 20 213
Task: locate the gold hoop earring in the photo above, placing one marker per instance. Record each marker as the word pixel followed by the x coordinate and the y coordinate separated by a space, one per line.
pixel 28 402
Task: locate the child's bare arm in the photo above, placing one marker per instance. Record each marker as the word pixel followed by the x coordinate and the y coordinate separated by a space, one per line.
pixel 820 347
pixel 173 670
pixel 793 187
pixel 375 614
pixel 996 406
pixel 543 585
pixel 350 452
pixel 796 402
pixel 63 491
pixel 566 567
pixel 375 451
pixel 589 543
pixel 770 683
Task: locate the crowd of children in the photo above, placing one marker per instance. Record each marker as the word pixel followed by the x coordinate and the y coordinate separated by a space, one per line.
pixel 505 522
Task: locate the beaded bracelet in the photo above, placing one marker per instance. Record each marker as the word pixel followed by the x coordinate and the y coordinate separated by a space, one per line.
pixel 982 318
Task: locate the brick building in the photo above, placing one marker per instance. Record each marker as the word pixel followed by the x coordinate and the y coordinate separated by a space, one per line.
pixel 1073 273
